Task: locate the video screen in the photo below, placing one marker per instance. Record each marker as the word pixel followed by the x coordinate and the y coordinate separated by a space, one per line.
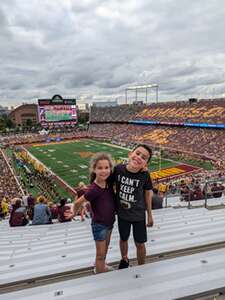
pixel 61 114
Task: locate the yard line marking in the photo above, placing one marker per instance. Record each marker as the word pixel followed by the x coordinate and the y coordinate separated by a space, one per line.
pixel 83 166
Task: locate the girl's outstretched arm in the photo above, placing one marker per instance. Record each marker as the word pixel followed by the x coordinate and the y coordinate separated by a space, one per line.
pixel 70 214
pixel 77 205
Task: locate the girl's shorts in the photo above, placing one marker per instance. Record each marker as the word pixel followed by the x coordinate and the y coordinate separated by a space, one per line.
pixel 100 231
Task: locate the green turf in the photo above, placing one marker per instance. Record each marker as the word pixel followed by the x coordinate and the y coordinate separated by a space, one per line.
pixel 68 154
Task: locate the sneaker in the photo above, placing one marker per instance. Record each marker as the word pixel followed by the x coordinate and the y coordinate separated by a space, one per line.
pixel 109 268
pixel 123 264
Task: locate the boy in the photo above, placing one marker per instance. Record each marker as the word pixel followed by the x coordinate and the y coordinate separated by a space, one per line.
pixel 134 196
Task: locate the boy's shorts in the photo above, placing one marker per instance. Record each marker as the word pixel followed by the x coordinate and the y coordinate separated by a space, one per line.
pixel 100 231
pixel 139 230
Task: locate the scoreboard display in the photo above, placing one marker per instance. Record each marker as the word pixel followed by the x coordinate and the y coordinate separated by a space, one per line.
pixel 57 112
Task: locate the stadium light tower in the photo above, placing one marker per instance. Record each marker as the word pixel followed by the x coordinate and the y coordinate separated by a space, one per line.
pixel 143 87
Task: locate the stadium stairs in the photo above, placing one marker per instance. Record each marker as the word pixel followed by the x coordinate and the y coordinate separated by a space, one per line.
pixel 183 259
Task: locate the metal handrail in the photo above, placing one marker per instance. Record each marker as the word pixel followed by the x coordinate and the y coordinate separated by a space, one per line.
pixel 207 195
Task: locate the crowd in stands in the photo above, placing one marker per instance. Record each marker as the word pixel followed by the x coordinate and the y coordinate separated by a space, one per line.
pixel 108 131
pixel 44 182
pixel 197 191
pixel 208 142
pixel 27 209
pixel 8 186
pixel 204 111
pixel 120 113
pixel 205 142
pixel 20 138
pixel 24 209
pixel 36 211
pixel 29 138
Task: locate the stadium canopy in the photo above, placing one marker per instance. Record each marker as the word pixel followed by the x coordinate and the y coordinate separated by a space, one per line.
pixel 142 87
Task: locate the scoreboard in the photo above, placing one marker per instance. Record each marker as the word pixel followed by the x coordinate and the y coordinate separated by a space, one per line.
pixel 57 112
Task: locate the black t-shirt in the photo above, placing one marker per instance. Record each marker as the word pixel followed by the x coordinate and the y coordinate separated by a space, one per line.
pixel 130 193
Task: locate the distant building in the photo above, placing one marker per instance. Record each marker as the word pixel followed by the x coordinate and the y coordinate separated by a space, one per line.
pixel 105 103
pixel 22 113
pixel 4 110
pixel 83 107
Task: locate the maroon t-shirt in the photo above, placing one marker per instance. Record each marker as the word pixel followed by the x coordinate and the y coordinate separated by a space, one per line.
pixel 81 191
pixel 102 202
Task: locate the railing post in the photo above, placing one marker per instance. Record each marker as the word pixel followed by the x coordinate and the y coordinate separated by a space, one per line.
pixel 206 193
pixel 189 199
pixel 166 200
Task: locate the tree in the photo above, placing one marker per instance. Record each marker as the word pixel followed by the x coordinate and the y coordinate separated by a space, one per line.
pixel 9 123
pixel 2 124
pixel 29 123
pixel 5 122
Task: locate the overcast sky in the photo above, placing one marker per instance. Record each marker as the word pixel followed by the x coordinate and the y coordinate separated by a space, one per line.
pixel 94 49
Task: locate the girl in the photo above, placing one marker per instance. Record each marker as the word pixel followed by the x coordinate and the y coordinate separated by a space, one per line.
pixel 101 196
pixel 18 216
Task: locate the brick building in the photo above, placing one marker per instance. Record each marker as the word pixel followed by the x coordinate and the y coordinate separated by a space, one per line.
pixel 22 113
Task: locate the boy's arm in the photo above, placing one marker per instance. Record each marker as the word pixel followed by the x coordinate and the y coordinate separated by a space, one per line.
pixel 148 202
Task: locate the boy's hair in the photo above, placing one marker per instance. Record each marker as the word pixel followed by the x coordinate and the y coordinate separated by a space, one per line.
pixel 95 159
pixel 146 147
pixel 62 202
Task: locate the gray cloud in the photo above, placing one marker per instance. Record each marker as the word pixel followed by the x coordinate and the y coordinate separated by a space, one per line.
pixel 93 48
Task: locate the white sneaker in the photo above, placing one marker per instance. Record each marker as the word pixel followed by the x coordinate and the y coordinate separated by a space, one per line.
pixel 109 268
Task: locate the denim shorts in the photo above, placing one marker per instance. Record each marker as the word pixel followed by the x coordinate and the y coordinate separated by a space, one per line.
pixel 100 231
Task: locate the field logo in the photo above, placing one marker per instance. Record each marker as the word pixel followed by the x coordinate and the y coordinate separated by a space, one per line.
pixel 84 154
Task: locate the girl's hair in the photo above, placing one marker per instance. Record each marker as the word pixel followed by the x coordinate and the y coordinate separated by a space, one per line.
pixel 17 204
pixel 95 159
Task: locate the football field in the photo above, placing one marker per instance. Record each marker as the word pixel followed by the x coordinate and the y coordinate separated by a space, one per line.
pixel 70 159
